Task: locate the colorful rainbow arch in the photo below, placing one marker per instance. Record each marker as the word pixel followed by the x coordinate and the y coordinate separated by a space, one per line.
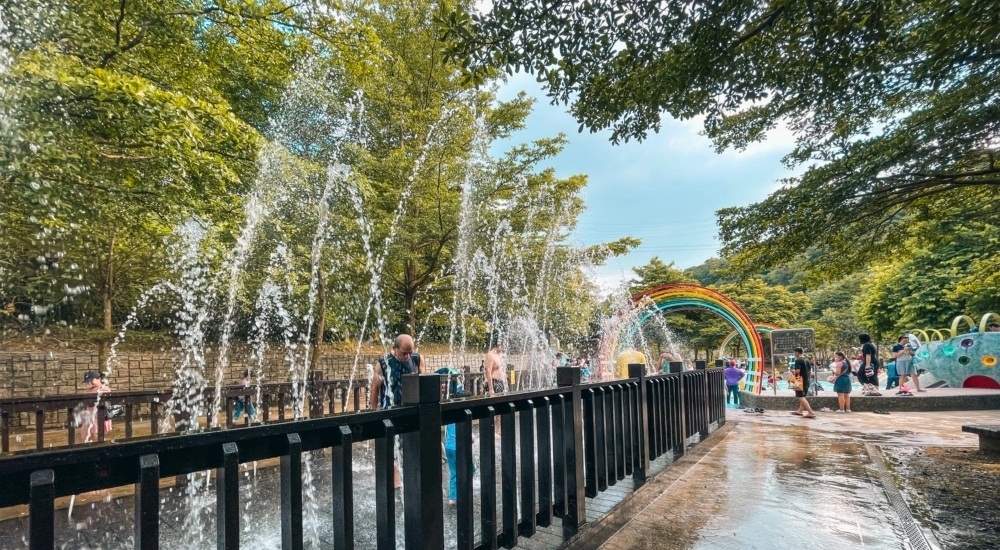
pixel 683 296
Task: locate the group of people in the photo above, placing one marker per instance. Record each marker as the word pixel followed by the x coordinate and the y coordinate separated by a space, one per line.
pixel 901 367
pixel 387 391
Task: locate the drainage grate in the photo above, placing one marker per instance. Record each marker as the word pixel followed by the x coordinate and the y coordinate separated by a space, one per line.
pixel 918 539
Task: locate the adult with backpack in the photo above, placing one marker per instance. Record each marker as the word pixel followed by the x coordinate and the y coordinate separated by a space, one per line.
pixel 387 381
pixel 868 371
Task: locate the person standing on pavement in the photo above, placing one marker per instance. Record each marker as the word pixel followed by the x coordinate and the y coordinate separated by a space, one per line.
pixel 905 367
pixel 801 368
pixel 868 370
pixel 842 382
pixel 733 376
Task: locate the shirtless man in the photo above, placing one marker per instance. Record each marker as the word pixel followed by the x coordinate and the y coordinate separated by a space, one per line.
pixel 493 370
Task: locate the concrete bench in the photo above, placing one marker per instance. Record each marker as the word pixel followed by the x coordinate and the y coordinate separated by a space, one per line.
pixel 989 437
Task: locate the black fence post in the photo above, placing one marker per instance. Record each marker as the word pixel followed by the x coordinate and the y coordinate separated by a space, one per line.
pixel 463 490
pixel 488 479
pixel 545 463
pixel 640 445
pixel 706 406
pixel 424 508
pixel 508 477
pixel 41 511
pixel 385 498
pixel 590 434
pixel 343 490
pixel 147 503
pixel 291 494
pixel 526 438
pixel 315 394
pixel 227 498
pixel 576 503
pixel 683 415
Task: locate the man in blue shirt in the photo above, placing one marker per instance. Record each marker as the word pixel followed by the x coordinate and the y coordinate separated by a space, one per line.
pixel 387 382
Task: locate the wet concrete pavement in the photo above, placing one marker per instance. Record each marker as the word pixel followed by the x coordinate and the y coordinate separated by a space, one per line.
pixel 781 481
pixel 765 481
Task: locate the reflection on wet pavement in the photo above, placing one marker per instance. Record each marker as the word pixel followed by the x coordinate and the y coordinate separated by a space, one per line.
pixel 779 481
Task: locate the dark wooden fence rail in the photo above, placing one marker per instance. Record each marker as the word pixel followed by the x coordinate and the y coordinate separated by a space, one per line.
pixel 557 446
pixel 324 397
pixel 331 395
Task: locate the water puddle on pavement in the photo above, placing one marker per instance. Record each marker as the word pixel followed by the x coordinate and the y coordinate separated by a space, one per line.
pixel 767 486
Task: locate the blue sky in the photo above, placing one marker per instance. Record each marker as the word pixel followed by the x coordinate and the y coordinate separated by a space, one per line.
pixel 664 190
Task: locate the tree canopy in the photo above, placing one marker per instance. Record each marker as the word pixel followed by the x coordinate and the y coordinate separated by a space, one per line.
pixel 335 143
pixel 894 105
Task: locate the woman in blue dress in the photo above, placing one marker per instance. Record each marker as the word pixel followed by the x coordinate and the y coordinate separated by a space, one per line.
pixel 842 385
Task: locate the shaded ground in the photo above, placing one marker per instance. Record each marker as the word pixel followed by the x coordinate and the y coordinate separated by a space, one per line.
pixel 952 491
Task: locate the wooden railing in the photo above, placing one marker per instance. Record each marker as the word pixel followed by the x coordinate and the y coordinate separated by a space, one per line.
pixel 568 442
pixel 274 403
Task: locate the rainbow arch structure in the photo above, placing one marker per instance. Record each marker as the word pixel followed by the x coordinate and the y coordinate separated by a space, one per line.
pixel 683 296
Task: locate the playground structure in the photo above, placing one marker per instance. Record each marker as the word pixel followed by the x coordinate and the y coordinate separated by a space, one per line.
pixel 675 297
pixel 962 360
pixel 762 328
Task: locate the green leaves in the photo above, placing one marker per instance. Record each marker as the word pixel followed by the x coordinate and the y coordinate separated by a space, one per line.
pixel 134 117
pixel 893 104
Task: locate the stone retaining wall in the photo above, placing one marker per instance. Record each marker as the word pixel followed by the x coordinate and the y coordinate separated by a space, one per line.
pixel 976 400
pixel 24 374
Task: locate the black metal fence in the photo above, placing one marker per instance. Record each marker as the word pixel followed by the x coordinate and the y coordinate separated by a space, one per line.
pixel 557 446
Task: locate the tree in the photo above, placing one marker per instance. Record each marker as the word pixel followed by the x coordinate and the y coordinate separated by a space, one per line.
pixel 428 134
pixel 126 119
pixel 656 273
pixel 893 104
pixel 922 290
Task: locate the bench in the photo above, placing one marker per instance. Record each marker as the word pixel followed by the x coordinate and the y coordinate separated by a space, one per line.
pixel 989 437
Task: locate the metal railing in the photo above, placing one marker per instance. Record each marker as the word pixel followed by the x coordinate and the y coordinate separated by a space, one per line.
pixel 557 446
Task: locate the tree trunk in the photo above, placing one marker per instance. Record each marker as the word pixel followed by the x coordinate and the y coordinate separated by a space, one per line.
pixel 320 322
pixel 109 283
pixel 409 301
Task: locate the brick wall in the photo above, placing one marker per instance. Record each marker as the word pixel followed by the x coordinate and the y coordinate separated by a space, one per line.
pixel 24 374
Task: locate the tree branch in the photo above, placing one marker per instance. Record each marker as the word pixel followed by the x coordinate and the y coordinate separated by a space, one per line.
pixel 768 21
pixel 108 57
